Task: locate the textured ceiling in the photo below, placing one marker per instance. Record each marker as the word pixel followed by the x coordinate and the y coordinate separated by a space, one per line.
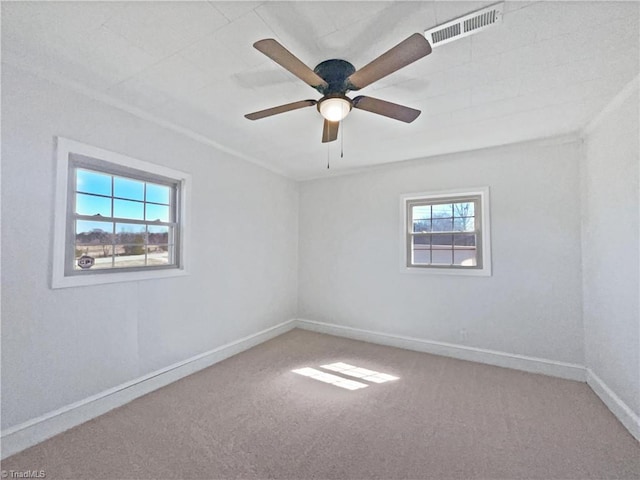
pixel 546 70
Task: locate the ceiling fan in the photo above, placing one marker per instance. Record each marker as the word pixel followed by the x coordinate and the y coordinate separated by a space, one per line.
pixel 334 78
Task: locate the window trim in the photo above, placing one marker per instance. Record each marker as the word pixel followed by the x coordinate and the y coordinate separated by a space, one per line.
pixel 485 232
pixel 65 150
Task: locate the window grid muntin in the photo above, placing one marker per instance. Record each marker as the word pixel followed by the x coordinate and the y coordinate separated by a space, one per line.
pixel 410 234
pixel 93 165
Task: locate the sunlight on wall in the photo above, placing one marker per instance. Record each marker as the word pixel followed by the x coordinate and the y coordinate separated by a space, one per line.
pixel 345 369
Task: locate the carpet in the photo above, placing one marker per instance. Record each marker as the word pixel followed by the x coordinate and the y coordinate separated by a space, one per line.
pixel 252 417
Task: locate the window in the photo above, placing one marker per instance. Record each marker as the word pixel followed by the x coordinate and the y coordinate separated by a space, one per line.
pixel 117 218
pixel 447 232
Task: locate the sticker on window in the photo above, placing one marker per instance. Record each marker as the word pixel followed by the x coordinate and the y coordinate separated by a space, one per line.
pixel 85 261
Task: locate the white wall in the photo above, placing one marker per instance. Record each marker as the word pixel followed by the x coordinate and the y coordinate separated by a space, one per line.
pixel 610 248
pixel 60 346
pixel 349 265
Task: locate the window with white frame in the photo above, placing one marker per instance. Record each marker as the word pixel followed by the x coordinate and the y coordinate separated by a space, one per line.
pixel 117 218
pixel 447 232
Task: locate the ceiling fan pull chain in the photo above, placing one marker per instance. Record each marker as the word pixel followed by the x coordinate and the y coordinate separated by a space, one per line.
pixel 341 139
pixel 328 156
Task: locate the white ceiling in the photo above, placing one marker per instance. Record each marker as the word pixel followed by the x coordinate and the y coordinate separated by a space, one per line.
pixel 546 70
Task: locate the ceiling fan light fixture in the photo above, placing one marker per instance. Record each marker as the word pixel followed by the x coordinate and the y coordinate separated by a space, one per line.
pixel 334 109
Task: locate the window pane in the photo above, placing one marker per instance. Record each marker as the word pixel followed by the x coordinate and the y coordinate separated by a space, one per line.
pixel 127 188
pixel 422 240
pixel 159 255
pixel 93 239
pixel 129 256
pixel 465 258
pixel 421 250
pixel 463 209
pixel 443 211
pixel 158 193
pixel 157 212
pixel 464 224
pixel 465 252
pixel 441 257
pixel 127 209
pixel 443 240
pixel 92 182
pixel 421 212
pixel 93 233
pixel 129 233
pixel 442 224
pixel 465 240
pixel 92 205
pixel 421 226
pixel 442 249
pixel 159 235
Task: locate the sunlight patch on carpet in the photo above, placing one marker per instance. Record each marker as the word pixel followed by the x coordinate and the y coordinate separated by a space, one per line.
pixel 329 378
pixel 358 372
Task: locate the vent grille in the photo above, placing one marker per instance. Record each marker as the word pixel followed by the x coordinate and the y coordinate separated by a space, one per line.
pixel 445 33
pixel 480 21
pixel 464 26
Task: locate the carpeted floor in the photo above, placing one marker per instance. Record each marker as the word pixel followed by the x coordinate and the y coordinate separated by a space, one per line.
pixel 252 417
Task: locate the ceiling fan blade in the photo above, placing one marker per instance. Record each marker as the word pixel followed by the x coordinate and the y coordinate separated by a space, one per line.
pixel 330 131
pixel 289 61
pixel 388 109
pixel 280 109
pixel 403 54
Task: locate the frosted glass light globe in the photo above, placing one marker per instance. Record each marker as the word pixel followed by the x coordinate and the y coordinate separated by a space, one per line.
pixel 335 109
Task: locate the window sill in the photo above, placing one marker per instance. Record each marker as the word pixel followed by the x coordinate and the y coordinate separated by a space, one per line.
pixel 84 281
pixel 483 272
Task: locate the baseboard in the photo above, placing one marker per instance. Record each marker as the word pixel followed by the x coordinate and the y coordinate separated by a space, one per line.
pixel 619 408
pixel 543 366
pixel 34 431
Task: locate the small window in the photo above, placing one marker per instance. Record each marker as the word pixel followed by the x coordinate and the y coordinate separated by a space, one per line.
pixel 117 218
pixel 447 232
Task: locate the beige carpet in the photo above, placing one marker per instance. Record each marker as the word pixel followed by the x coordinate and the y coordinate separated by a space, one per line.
pixel 251 417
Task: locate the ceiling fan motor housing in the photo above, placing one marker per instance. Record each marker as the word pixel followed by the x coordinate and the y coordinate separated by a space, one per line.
pixel 335 72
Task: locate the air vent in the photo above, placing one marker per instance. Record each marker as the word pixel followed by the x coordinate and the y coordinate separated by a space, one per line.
pixel 464 26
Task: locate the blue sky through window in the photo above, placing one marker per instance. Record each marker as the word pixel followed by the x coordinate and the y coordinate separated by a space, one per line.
pixel 127 209
pixel 126 188
pixel 92 205
pixel 90 182
pixel 158 193
pixel 157 212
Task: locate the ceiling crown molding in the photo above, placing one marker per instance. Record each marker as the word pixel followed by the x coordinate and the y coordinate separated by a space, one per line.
pixel 14 61
pixel 621 97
